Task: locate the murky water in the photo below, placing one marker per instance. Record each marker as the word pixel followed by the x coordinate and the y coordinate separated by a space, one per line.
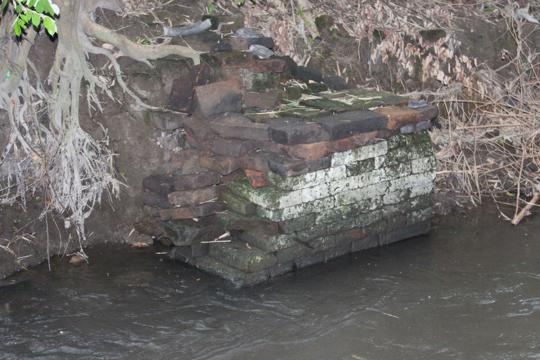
pixel 471 290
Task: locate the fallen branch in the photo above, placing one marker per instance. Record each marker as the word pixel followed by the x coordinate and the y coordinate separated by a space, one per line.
pixel 526 210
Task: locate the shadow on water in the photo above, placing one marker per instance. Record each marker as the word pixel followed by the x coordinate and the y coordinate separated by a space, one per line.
pixel 470 290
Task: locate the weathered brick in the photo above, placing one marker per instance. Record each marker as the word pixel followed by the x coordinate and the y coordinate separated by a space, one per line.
pixel 218 98
pixel 308 180
pixel 358 140
pixel 190 212
pixel 160 184
pixel 286 166
pixel 399 116
pixel 262 100
pixel 193 197
pixel 233 221
pixel 313 151
pixel 234 148
pixel 257 179
pixel 405 233
pixel 195 181
pixel 232 177
pixel 185 161
pixel 198 128
pixel 221 164
pixel 257 160
pixel 293 131
pixel 428 113
pixel 267 242
pixel 237 203
pixel 155 200
pixel 240 256
pixel 361 153
pixel 344 125
pixel 237 126
pixel 297 224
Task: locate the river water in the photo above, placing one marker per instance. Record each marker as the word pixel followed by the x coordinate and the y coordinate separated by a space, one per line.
pixel 470 290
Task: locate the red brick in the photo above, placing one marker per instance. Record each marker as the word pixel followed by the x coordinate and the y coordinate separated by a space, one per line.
pixel 219 97
pixel 220 164
pixel 187 161
pixel 193 197
pixel 237 126
pixel 257 179
pixel 195 181
pixel 160 184
pixel 357 140
pixel 190 212
pixel 312 151
pixel 399 116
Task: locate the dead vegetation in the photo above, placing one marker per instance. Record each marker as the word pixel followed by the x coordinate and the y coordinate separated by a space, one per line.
pixel 487 144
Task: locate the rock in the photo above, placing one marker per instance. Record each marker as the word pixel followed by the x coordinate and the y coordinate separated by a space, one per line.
pixel 155 200
pixel 238 255
pixel 77 260
pixel 260 51
pixel 243 44
pixel 166 121
pixel 218 98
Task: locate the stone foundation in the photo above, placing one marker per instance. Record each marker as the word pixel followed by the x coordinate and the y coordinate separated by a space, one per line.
pixel 279 174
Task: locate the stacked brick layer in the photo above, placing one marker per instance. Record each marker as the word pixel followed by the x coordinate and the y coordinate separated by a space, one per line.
pixel 271 180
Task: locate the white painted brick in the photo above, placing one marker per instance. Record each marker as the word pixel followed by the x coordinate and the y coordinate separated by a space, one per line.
pixel 361 153
pixel 421 165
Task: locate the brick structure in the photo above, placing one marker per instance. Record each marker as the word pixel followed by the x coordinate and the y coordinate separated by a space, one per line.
pixel 269 184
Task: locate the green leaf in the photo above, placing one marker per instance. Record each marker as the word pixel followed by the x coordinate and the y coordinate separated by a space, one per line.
pixel 17 29
pixel 36 19
pixel 50 25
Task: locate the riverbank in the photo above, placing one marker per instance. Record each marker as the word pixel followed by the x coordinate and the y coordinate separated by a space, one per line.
pixel 468 290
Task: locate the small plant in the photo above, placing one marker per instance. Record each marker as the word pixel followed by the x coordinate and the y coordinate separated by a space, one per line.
pixel 32 13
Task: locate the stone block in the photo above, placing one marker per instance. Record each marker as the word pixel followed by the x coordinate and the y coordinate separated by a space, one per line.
pixel 241 256
pixel 233 148
pixel 190 212
pixel 292 253
pixel 306 74
pixel 322 243
pixel 293 131
pixel 262 100
pixel 311 179
pixel 281 268
pixel 159 184
pixel 337 251
pixel 238 204
pixel 335 82
pixel 297 224
pixel 223 165
pixel 195 181
pixel 236 277
pixel 365 243
pixel 237 126
pixel 309 260
pixel 296 210
pixel 360 167
pixel 193 197
pixel 257 179
pixel 344 125
pixel 267 242
pixel 219 97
